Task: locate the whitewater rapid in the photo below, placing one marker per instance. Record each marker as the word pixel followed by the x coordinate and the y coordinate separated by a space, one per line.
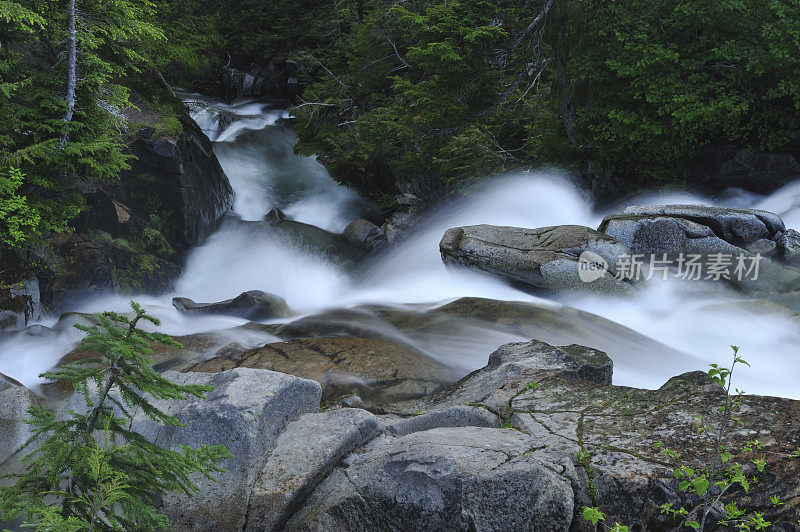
pixel 254 147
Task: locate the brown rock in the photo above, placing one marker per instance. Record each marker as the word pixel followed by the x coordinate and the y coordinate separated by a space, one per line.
pixel 377 371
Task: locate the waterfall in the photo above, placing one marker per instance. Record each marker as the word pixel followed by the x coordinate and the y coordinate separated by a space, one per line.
pixel 254 146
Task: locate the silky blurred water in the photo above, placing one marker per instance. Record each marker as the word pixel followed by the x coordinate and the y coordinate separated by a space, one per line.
pixel 678 326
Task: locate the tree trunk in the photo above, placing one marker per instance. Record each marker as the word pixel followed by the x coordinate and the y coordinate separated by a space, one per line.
pixel 563 83
pixel 72 76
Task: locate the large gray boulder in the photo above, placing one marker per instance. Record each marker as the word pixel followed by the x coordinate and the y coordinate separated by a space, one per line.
pixel 548 257
pixel 732 225
pixel 738 238
pixel 303 455
pixel 246 411
pixel 443 479
pixel 563 399
pixel 15 400
pixel 252 305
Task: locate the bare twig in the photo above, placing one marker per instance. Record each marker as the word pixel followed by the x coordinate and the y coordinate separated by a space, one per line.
pixel 532 25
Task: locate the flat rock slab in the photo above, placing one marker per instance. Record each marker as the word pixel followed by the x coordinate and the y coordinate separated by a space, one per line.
pixel 547 257
pixel 304 453
pixel 443 479
pixel 245 412
pixel 377 371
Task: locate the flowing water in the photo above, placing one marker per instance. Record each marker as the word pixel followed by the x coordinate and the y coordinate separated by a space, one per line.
pixel 664 330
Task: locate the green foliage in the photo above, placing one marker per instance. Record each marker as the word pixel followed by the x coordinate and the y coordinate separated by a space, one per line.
pixel 532 385
pixel 437 94
pixel 710 484
pixel 111 490
pixel 584 459
pixel 143 257
pixel 17 219
pixel 70 479
pixel 659 80
pixel 424 93
pixel 54 155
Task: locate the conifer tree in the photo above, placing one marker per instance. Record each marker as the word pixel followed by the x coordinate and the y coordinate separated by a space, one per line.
pixel 90 467
pixel 62 96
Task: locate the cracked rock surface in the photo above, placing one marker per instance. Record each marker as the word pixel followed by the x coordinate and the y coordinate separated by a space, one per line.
pixel 522 444
pixel 562 399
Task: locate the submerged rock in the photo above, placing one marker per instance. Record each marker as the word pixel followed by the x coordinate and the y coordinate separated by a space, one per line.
pixel 463 331
pixel 317 241
pixel 253 305
pixel 377 371
pixel 275 215
pixel 548 257
pixel 364 233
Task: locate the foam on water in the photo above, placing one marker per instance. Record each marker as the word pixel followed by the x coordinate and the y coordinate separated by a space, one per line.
pixel 255 150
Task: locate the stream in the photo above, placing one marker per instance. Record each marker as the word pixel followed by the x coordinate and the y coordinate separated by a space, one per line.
pixel 652 335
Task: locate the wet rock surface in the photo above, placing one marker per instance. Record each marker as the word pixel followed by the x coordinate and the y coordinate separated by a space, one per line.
pixel 461 332
pixel 20 302
pixel 252 305
pixel 750 249
pixel 377 371
pixel 547 257
pixel 739 238
pixel 364 233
